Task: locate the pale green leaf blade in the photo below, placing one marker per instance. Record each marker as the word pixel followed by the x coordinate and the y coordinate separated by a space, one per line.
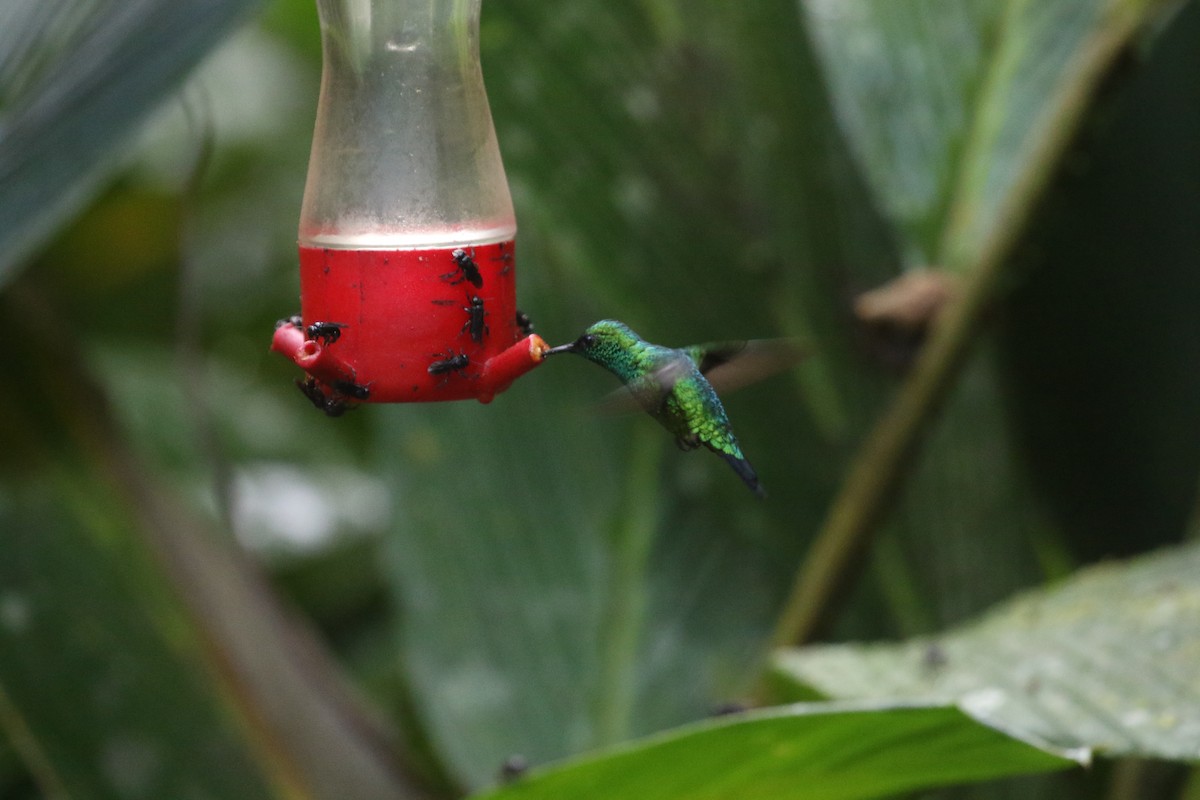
pixel 140 654
pixel 288 688
pixel 1110 660
pixel 499 573
pixel 822 751
pixel 76 80
pixel 101 686
pixel 565 581
pixel 957 111
pixel 121 678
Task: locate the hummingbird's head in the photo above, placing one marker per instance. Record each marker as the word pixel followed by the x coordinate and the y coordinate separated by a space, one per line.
pixel 604 342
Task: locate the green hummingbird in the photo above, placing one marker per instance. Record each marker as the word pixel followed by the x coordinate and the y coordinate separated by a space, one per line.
pixel 673 385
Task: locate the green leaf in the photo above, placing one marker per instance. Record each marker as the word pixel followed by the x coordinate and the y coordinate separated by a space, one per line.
pixel 100 684
pixel 822 751
pixel 308 724
pixel 958 111
pixel 1109 660
pixel 76 80
pixel 565 581
pixel 959 114
pixel 1128 198
pixel 140 654
pixel 114 685
pixel 500 577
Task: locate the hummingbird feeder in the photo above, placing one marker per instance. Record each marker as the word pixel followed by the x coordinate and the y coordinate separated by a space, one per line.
pixel 407 270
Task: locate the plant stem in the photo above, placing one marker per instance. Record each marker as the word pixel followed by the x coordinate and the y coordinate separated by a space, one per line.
pixel 837 555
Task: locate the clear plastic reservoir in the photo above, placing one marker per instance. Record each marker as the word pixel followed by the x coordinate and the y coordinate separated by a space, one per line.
pixel 404 152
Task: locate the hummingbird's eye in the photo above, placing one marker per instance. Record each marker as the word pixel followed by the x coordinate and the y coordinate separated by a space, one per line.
pixel 587 340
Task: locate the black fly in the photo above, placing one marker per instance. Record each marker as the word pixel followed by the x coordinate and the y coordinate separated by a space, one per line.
pixel 351 389
pixel 513 768
pixel 449 362
pixel 524 322
pixel 506 257
pixel 475 323
pixel 332 406
pixel 466 269
pixel 327 332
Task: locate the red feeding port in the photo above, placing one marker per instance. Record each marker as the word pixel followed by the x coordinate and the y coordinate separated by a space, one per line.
pixel 412 325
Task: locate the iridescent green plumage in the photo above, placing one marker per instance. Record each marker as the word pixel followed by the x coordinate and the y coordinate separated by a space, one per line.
pixel 670 384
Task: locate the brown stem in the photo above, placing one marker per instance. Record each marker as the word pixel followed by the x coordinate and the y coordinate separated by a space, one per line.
pixel 837 555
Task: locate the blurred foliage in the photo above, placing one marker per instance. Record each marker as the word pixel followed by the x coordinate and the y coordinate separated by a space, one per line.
pixel 77 79
pixel 1065 665
pixel 523 578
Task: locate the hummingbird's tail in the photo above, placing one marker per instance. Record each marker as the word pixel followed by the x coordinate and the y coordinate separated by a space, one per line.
pixel 746 472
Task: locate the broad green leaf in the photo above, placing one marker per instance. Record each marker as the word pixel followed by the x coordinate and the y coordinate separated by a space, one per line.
pixel 101 684
pixel 327 744
pixel 821 751
pixel 958 540
pixel 140 655
pixel 1120 346
pixel 957 111
pixel 687 178
pixel 565 581
pixel 1109 660
pixel 500 573
pixel 959 114
pixel 76 80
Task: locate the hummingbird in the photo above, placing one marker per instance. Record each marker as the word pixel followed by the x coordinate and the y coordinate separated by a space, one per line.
pixel 673 384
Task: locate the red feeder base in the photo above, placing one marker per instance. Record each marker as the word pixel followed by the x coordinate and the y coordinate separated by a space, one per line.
pixel 410 325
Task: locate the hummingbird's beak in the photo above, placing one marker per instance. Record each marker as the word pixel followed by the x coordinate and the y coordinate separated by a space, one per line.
pixel 562 348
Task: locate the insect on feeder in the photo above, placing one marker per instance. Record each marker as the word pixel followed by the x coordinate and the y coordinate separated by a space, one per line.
pixel 407 270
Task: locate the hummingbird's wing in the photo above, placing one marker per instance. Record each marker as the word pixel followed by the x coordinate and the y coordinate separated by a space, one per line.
pixel 727 366
pixel 731 365
pixel 650 390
